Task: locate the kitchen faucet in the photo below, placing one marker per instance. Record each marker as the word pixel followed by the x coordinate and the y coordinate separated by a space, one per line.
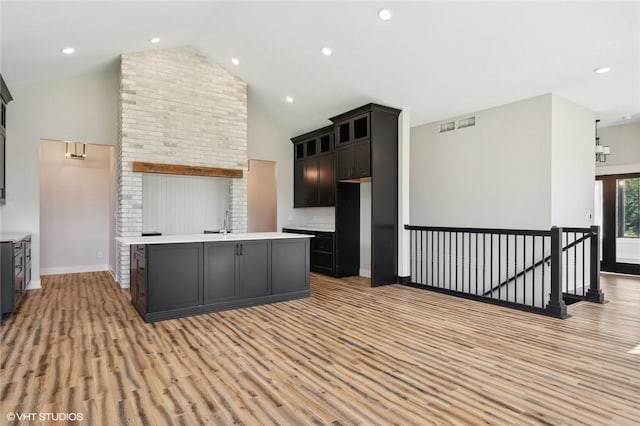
pixel 226 222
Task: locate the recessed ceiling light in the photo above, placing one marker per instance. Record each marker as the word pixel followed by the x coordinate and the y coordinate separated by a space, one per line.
pixel 626 117
pixel 68 50
pixel 326 51
pixel 235 61
pixel 289 99
pixel 155 40
pixel 602 70
pixel 384 14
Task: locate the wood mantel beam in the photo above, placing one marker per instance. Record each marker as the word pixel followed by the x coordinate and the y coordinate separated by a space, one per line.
pixel 177 169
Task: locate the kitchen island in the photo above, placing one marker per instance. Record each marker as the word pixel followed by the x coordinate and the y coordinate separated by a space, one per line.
pixel 174 276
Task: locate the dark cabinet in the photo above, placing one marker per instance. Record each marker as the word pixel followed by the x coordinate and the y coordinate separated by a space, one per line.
pixel 254 259
pixel 176 273
pixel 2 168
pixel 354 161
pixel 220 272
pixel 322 251
pixel 5 98
pixel 352 130
pixel 290 266
pixel 187 279
pixel 138 277
pixel 366 150
pixel 326 180
pixel 236 270
pixel 15 273
pixel 314 169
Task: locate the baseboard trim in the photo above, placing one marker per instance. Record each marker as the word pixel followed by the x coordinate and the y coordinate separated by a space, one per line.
pixel 34 285
pixel 74 269
pixel 404 280
pixel 365 273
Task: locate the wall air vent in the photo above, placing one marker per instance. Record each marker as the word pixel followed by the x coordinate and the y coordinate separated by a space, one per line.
pixel 466 122
pixel 447 127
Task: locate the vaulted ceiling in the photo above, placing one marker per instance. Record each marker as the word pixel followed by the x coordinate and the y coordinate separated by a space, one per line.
pixel 440 59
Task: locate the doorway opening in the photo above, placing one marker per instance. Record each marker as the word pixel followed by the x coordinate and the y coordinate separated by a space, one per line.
pixel 617 212
pixel 77 208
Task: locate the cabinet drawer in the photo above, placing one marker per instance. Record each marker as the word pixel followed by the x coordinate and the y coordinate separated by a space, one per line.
pixel 322 259
pixel 322 242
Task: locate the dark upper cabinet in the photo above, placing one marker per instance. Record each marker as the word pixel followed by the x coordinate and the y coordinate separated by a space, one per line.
pixel 326 180
pixel 314 169
pixel 354 161
pixel 299 188
pixel 352 129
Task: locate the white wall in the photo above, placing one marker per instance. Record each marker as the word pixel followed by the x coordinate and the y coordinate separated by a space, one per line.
pixel 83 108
pixel 494 174
pixel 572 164
pixel 624 141
pixel 75 202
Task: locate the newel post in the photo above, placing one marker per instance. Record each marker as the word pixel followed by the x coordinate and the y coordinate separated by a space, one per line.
pixel 594 294
pixel 556 306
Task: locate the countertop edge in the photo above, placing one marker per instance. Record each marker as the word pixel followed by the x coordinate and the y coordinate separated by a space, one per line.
pixel 203 238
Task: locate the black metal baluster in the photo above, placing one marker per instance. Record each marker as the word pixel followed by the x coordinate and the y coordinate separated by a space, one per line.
pixel 432 249
pixel 543 265
pixel 566 262
pixel 456 264
pixel 533 286
pixel 476 263
pixel 533 271
pixel 515 268
pixel 507 267
pixel 575 265
pixel 584 266
pixel 499 266
pixel 469 268
pixel 438 260
pixel 484 263
pixel 491 270
pixel 423 257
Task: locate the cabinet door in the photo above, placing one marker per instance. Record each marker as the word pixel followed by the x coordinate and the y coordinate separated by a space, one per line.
pixel 311 182
pixel 344 160
pixel 133 274
pixel 361 160
pixel 290 265
pixel 360 128
pixel 298 184
pixel 220 271
pixel 175 276
pixel 141 292
pixel 2 168
pixel 255 268
pixel 326 181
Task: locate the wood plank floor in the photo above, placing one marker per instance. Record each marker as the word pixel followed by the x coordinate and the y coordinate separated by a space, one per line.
pixel 347 355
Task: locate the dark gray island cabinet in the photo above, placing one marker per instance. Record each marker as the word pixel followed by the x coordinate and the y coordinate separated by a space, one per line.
pixel 173 277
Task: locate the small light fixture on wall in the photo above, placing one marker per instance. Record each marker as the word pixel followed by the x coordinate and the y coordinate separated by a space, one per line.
pixel 75 150
pixel 601 150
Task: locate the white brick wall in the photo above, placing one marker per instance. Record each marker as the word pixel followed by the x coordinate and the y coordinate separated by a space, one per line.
pixel 177 107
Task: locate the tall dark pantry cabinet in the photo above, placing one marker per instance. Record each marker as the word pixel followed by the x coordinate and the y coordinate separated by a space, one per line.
pixel 366 147
pixel 330 164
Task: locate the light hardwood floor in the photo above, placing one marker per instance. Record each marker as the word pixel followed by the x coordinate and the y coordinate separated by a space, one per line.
pixel 347 355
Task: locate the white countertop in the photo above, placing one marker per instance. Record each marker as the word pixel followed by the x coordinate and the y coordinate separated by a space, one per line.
pixel 12 237
pixel 309 228
pixel 199 238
